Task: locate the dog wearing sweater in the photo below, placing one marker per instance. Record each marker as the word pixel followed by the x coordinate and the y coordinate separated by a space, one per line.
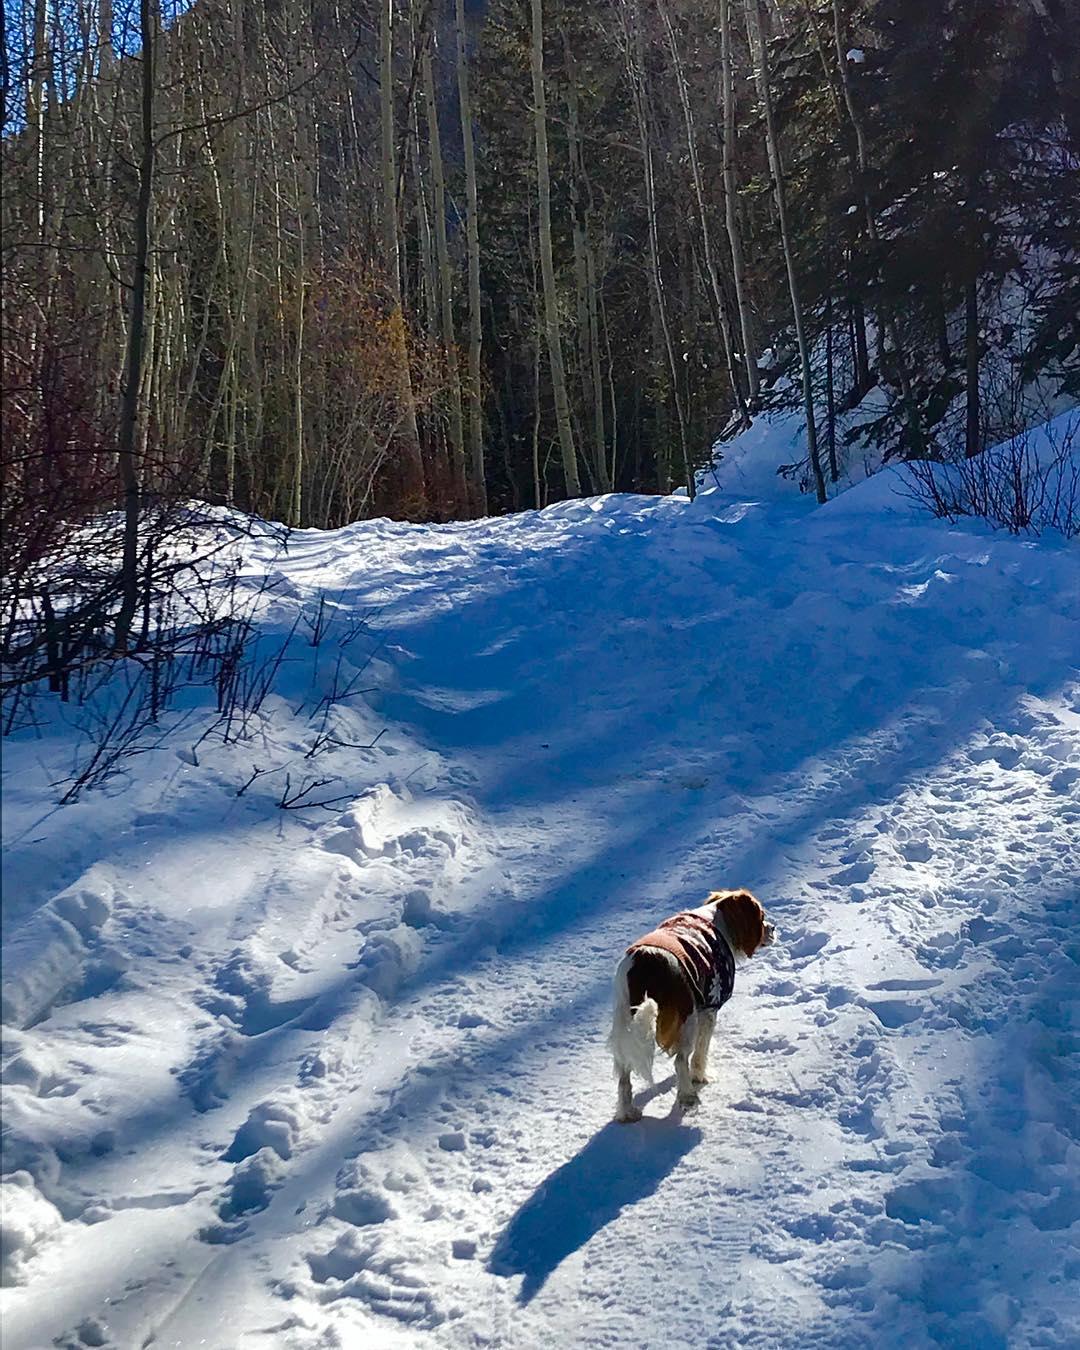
pixel 670 985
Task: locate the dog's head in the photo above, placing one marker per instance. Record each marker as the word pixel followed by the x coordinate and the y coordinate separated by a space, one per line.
pixel 744 918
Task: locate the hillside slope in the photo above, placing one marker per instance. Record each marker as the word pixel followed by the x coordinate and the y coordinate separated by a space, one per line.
pixel 338 1077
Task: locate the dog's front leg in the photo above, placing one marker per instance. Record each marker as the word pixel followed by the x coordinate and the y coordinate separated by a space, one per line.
pixel 626 1111
pixel 699 1060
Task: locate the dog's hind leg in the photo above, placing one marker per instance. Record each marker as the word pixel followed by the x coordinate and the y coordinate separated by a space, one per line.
pixel 699 1060
pixel 626 1111
pixel 687 1094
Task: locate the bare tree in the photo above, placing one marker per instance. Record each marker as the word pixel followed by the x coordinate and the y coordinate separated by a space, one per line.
pixel 134 364
pixel 412 462
pixel 477 483
pixel 547 265
pixel 759 56
pixel 445 287
pixel 731 219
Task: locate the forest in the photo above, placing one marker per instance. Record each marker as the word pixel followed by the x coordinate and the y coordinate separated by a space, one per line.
pixel 439 258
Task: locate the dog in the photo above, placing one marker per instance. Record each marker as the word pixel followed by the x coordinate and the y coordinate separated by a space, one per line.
pixel 670 984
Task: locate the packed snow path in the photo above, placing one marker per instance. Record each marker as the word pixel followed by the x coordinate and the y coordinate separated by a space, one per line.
pixel 341 1081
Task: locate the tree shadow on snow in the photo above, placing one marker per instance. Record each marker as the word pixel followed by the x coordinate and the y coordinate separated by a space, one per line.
pixel 619 1166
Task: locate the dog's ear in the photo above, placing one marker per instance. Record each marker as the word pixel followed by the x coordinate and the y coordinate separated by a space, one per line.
pixel 745 920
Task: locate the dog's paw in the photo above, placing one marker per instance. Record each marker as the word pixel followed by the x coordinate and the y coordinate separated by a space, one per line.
pixel 700 1079
pixel 629 1116
pixel 688 1100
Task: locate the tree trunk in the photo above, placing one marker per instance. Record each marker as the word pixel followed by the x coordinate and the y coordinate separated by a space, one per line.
pixel 478 483
pixel 459 482
pixel 759 56
pixel 296 498
pixel 830 390
pixel 635 58
pixel 719 300
pixel 888 324
pixel 861 355
pixel 414 496
pixel 731 220
pixel 134 363
pixel 585 276
pixel 547 266
pixel 972 418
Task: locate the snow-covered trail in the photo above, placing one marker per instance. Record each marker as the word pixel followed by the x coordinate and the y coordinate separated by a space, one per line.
pixel 387 1122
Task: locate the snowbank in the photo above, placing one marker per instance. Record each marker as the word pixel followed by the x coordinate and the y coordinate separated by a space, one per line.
pixel 341 1072
pixel 29 1221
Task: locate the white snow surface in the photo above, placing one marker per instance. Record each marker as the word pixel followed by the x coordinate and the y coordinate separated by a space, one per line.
pixel 337 1077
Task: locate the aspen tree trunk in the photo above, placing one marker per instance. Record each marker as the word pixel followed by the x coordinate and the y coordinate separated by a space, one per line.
pixel 585 276
pixel 607 467
pixel 661 375
pixel 412 464
pixel 459 480
pixel 35 109
pixel 296 496
pixel 636 69
pixel 5 71
pixel 759 57
pixel 720 308
pixel 547 266
pixel 731 219
pixel 61 121
pixel 612 394
pixel 536 316
pixel 134 363
pixel 537 346
pixel 915 430
pixel 104 278
pixel 442 492
pixel 35 129
pixel 428 280
pixel 478 483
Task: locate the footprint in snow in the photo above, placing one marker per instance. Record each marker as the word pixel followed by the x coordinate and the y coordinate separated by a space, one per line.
pixel 363 1206
pixel 807 945
pixel 910 982
pixel 854 875
pixel 916 850
pixel 895 1012
pixel 364 1267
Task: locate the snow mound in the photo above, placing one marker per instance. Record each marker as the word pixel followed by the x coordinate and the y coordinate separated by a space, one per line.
pixel 29 1220
pixel 275 1126
pixel 58 953
pixel 766 463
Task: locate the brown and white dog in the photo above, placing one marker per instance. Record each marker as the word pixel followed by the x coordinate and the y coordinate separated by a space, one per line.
pixel 670 984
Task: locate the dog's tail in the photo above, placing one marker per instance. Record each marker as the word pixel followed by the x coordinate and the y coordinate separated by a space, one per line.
pixel 633 1033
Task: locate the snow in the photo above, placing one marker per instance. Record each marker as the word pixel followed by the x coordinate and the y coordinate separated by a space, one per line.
pixel 337 1077
pixel 769 459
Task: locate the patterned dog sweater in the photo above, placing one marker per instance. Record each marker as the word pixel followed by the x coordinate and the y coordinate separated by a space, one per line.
pixel 703 954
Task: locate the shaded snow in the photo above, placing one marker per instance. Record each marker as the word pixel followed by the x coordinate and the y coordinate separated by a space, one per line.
pixel 276 1079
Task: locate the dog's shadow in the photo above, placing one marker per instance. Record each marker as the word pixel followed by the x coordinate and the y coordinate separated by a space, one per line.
pixel 619 1166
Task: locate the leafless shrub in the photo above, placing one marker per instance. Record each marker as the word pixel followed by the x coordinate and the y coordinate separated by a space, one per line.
pixel 1026 485
pixel 294 799
pixel 118 726
pixel 200 627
